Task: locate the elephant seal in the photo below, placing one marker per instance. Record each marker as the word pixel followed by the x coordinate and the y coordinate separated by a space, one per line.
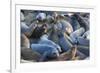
pixel 64 42
pixel 29 54
pixel 82 21
pixel 45 50
pixel 38 31
pixel 41 16
pixel 44 40
pixel 77 33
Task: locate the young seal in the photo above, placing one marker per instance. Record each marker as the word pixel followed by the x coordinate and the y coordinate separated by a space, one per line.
pixel 77 33
pixel 29 54
pixel 44 40
pixel 64 42
pixel 45 50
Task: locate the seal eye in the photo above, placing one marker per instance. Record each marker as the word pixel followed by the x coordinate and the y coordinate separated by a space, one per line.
pixel 55 54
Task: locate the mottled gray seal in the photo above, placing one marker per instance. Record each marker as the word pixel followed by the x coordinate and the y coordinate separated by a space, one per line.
pixel 29 54
pixel 45 50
